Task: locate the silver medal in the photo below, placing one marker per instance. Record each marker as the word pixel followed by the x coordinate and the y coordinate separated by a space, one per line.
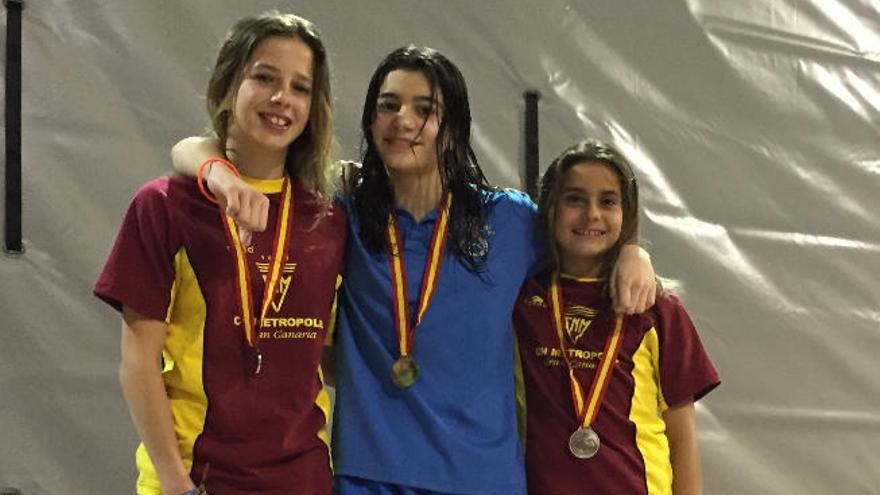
pixel 583 443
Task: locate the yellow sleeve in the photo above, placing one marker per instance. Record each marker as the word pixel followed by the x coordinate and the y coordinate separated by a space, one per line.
pixel 519 393
pixel 331 326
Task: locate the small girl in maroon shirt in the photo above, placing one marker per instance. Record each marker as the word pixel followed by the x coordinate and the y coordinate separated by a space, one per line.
pixel 610 399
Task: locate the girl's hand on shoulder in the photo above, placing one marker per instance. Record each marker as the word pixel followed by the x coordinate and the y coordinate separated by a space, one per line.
pixel 245 204
pixel 633 284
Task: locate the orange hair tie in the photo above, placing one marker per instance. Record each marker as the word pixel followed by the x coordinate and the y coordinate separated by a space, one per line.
pixel 201 171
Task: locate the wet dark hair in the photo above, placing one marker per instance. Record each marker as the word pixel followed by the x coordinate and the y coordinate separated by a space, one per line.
pixel 309 156
pixel 590 151
pixel 370 186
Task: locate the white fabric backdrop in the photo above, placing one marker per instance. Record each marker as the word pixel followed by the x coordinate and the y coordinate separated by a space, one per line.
pixel 753 127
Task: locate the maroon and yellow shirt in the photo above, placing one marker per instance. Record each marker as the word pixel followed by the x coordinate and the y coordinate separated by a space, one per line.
pixel 172 262
pixel 661 363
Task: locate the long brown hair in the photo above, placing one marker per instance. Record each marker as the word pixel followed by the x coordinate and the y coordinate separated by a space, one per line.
pixel 590 151
pixel 309 158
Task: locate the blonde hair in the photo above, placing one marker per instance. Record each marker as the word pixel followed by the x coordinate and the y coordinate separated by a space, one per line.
pixel 310 157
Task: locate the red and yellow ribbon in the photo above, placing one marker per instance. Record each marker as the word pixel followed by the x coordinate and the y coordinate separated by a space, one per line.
pixel 406 328
pixel 243 279
pixel 587 407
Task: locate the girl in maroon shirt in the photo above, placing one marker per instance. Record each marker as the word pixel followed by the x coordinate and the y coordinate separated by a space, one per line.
pixel 610 399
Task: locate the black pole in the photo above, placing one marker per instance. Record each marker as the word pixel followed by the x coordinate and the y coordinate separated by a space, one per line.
pixel 13 242
pixel 531 140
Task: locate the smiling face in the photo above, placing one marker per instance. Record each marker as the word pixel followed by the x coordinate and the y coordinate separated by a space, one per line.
pixel 406 123
pixel 588 217
pixel 271 107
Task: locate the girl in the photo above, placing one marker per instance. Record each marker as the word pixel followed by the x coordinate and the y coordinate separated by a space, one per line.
pixel 221 342
pixel 610 399
pixel 433 265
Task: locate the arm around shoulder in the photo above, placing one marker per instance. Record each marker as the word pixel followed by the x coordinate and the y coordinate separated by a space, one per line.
pixel 190 152
pixel 245 204
pixel 633 284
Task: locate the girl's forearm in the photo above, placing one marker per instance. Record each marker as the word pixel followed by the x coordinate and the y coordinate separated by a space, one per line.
pixel 140 376
pixel 189 153
pixel 687 478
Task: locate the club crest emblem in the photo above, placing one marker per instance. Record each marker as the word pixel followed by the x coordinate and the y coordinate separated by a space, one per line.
pixel 577 321
pixel 283 283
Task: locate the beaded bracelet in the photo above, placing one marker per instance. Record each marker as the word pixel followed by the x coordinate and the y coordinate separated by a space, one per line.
pixel 201 182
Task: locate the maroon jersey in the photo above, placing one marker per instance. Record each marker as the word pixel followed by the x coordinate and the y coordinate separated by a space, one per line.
pixel 172 262
pixel 661 363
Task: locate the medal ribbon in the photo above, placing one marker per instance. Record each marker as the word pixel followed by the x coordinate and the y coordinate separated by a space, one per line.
pixel 243 280
pixel 587 407
pixel 406 328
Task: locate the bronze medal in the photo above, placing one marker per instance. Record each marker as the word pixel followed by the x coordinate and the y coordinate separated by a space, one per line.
pixel 583 443
pixel 404 372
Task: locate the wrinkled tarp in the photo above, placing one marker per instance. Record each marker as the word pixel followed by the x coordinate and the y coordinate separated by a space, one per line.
pixel 753 127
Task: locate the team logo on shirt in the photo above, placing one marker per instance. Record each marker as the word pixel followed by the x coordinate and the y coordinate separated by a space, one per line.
pixel 284 327
pixel 577 321
pixel 536 301
pixel 283 283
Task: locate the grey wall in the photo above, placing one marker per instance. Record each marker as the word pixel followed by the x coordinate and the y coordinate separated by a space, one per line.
pixel 753 127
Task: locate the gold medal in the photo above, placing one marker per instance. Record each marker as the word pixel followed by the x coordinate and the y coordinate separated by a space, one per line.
pixel 404 372
pixel 583 443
